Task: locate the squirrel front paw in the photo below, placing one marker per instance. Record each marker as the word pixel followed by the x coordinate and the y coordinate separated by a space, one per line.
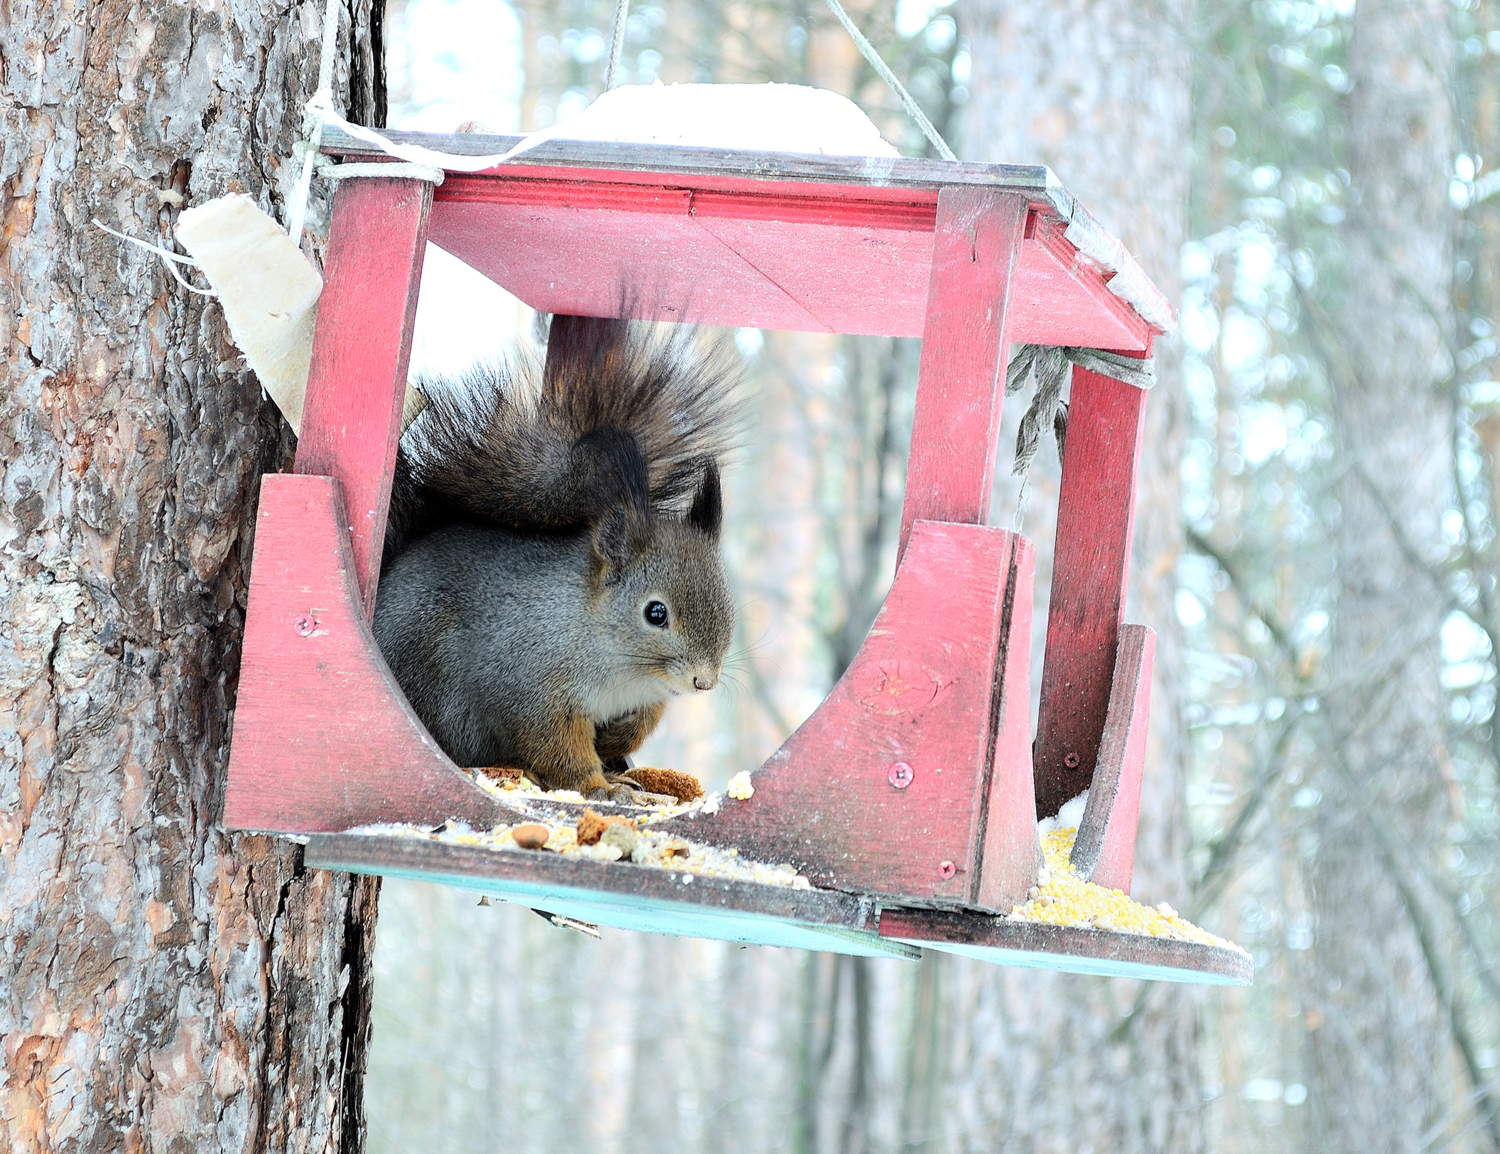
pixel 626 792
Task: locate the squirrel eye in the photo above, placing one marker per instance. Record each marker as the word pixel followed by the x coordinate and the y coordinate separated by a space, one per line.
pixel 656 614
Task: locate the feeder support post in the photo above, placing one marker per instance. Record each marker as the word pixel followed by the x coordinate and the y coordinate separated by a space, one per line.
pixel 1090 570
pixel 351 419
pixel 961 385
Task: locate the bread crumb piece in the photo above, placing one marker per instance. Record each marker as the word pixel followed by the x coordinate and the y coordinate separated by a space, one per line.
pixel 673 782
pixel 739 787
pixel 591 826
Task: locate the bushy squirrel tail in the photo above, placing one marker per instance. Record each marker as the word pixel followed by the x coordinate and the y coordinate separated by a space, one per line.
pixel 619 410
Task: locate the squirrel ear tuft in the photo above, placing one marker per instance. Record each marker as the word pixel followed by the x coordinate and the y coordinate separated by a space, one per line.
pixel 707 512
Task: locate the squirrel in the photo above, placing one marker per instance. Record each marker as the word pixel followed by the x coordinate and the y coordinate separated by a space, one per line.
pixel 552 573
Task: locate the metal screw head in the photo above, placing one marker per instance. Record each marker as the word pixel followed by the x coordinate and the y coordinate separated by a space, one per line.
pixel 946 869
pixel 304 624
pixel 901 775
pixel 1071 761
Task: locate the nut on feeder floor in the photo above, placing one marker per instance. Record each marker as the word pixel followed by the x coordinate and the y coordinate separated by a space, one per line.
pixel 910 798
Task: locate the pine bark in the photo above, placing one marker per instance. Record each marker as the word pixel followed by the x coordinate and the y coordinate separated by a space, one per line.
pixel 164 985
pixel 1380 1074
pixel 1098 90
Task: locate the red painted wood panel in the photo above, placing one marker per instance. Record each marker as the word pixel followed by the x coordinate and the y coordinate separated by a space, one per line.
pixel 591 261
pixel 1060 298
pixel 782 259
pixel 960 385
pixel 880 791
pixel 1091 565
pixel 777 206
pixel 323 737
pixel 794 205
pixel 1011 854
pixel 351 421
pixel 1104 850
pixel 850 278
pixel 747 181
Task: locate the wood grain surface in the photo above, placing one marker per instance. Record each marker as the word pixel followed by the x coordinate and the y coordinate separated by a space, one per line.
pixel 1010 853
pixel 351 420
pixel 1085 951
pixel 919 706
pixel 1090 568
pixel 1104 850
pixel 960 388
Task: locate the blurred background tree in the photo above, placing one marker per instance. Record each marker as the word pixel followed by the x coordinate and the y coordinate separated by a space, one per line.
pixel 1316 548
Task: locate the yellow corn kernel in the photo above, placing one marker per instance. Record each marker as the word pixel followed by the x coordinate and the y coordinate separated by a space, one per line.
pixel 1064 899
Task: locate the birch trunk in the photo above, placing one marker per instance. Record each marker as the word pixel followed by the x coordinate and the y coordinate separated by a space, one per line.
pixel 164 986
pixel 1098 90
pixel 1379 1075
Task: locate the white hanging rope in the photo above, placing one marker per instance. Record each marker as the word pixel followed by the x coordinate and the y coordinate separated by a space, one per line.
pixel 429 164
pixel 616 45
pixel 329 169
pixel 314 116
pixel 319 113
pixel 171 259
pixel 913 109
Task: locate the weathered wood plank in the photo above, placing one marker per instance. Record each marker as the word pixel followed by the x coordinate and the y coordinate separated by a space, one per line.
pixel 1085 951
pixel 323 737
pixel 1090 568
pixel 625 895
pixel 956 428
pixel 1104 850
pixel 351 420
pixel 619 159
pixel 1011 854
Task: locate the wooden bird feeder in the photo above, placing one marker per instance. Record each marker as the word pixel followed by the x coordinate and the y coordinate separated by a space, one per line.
pixel 910 797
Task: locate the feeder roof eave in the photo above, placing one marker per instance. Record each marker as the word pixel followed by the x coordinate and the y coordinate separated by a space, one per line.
pixel 689 161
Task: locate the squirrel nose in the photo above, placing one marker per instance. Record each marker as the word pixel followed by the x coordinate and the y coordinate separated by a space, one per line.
pixel 701 683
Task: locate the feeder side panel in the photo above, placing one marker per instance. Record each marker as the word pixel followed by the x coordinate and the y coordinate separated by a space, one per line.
pixel 1095 520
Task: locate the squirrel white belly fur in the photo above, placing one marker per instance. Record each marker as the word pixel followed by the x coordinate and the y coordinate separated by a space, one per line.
pixel 552 573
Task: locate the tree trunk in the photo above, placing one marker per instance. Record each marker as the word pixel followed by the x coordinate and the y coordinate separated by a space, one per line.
pixel 1379 1075
pixel 1098 90
pixel 165 986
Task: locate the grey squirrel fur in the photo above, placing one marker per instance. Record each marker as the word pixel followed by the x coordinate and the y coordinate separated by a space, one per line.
pixel 552 573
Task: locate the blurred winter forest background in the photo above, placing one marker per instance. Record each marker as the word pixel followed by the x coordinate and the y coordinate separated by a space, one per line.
pixel 1316 548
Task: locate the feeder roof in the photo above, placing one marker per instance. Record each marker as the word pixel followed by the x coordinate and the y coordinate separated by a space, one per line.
pixel 807 242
